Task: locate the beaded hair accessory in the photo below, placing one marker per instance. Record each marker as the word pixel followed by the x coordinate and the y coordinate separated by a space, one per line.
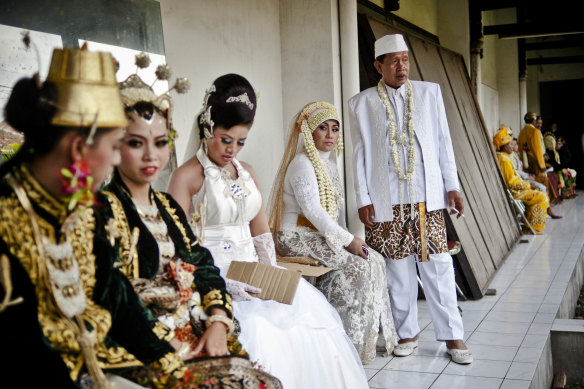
pixel 242 98
pixel 205 113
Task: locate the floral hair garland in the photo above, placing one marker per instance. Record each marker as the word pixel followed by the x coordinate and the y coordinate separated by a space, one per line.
pixel 307 126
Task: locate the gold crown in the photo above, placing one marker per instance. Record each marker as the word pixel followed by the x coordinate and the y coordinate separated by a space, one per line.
pixel 87 91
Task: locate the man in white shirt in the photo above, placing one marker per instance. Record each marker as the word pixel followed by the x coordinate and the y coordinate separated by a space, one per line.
pixel 405 176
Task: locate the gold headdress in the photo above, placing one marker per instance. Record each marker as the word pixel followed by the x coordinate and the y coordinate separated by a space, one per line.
pixel 134 90
pixel 304 124
pixel 87 91
pixel 501 138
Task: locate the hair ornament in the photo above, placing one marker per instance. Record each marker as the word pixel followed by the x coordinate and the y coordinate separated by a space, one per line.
pixel 242 98
pixel 142 60
pixel 134 90
pixel 205 113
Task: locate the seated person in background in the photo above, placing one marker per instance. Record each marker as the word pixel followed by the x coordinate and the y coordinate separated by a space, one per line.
pixel 569 174
pixel 518 166
pixel 532 151
pixel 552 159
pixel 536 201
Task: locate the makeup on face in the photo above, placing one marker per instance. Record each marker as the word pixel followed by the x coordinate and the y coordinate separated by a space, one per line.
pixel 226 144
pixel 145 151
pixel 326 135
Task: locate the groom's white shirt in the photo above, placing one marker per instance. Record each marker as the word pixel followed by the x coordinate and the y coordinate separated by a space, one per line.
pixel 374 175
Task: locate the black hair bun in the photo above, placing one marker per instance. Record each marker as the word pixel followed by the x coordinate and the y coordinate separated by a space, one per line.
pixel 30 109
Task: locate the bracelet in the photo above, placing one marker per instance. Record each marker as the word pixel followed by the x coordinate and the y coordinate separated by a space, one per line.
pixel 222 319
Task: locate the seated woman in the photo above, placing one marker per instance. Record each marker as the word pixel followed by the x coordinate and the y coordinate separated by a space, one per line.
pixel 307 206
pixel 552 159
pixel 66 313
pixel 304 343
pixel 518 165
pixel 565 164
pixel 172 273
pixel 536 201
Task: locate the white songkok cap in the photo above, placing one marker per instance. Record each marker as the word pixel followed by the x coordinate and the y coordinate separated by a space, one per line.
pixel 390 44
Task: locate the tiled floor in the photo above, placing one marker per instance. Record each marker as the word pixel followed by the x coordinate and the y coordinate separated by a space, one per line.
pixel 506 332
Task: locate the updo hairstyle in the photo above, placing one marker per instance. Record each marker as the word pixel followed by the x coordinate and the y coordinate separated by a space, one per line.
pixel 228 114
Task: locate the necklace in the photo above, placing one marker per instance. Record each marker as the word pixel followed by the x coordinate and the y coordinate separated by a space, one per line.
pixel 405 140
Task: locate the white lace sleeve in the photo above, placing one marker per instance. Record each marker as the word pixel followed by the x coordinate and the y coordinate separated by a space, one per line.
pixel 303 181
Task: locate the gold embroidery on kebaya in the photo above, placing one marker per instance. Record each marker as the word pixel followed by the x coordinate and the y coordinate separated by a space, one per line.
pixel 172 212
pixel 130 268
pixel 162 331
pixel 214 297
pixel 17 233
pixel 170 363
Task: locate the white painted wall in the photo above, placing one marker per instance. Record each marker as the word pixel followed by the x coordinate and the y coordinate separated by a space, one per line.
pixel 453 28
pixel 206 39
pixel 507 66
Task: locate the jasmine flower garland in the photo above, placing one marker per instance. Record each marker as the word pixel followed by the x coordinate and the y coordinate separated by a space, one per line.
pixel 403 140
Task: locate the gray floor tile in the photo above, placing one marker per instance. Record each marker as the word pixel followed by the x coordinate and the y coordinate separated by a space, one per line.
pixel 537 341
pixel 539 328
pixel 496 339
pixel 503 327
pixel 433 349
pixel 524 317
pixel 515 384
pixel 419 363
pixel 516 307
pixel 387 379
pixel 370 373
pixel 493 353
pixel 379 362
pixel 521 371
pixel 448 381
pixel 479 368
pixel 528 354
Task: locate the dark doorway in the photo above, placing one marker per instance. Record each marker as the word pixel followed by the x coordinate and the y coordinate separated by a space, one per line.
pixel 561 101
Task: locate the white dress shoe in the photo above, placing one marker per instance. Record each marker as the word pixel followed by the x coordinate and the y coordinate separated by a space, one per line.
pixel 405 349
pixel 462 357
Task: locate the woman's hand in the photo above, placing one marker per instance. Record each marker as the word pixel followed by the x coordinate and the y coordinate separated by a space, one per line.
pixel 183 350
pixel 214 341
pixel 356 247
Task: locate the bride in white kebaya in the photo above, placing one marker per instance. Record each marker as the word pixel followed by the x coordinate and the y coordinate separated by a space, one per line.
pixel 303 344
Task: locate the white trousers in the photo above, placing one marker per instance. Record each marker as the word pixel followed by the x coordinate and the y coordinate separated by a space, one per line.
pixel 437 275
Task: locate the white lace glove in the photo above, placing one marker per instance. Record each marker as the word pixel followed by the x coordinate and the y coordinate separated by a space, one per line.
pixel 240 291
pixel 265 248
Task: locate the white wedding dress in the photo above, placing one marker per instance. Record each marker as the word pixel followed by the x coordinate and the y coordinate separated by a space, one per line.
pixel 303 344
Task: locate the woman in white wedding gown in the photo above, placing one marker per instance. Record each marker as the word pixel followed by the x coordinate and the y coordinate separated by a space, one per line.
pixel 303 344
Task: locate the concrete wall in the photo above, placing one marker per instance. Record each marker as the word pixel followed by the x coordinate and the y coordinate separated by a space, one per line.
pixel 422 13
pixel 206 39
pixel 288 50
pixel 507 67
pixel 453 28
